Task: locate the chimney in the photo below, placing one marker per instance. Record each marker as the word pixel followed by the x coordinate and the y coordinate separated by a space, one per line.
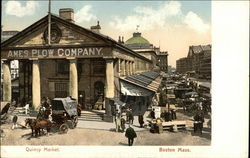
pixel 67 14
pixel 119 40
pixel 122 40
pixel 96 28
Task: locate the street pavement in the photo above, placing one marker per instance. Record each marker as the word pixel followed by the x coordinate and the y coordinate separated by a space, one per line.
pixel 110 126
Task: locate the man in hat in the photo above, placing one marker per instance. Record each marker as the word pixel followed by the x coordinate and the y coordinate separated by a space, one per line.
pixel 140 120
pixel 130 134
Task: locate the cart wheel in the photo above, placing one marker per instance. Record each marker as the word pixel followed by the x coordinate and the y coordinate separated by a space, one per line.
pixel 64 128
pixel 75 121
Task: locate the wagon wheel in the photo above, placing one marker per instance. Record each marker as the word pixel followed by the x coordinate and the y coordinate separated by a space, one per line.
pixel 64 128
pixel 75 121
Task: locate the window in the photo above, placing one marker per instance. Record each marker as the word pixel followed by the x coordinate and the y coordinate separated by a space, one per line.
pixel 63 67
pixel 61 90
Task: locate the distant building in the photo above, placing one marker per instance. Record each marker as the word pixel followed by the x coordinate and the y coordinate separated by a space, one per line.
pixel 143 47
pixel 183 65
pixel 198 60
pixel 7 34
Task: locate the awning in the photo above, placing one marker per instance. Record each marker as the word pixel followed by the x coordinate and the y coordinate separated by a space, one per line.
pixel 131 89
pixel 206 85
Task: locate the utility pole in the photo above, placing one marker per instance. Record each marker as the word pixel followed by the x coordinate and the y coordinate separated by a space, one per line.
pixel 49 22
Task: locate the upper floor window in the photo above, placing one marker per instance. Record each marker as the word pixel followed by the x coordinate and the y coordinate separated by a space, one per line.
pixel 62 67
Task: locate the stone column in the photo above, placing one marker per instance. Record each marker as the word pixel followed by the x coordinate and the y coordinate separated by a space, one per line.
pixel 36 87
pixel 6 81
pixel 122 67
pixel 126 68
pixel 73 83
pixel 131 67
pixel 119 67
pixel 109 88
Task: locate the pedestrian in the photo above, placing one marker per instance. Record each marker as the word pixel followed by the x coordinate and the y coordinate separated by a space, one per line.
pixel 26 107
pixel 131 117
pixel 152 114
pixel 130 134
pixel 14 121
pixel 159 125
pixel 173 114
pixel 123 121
pixel 198 122
pixel 117 119
pixel 140 120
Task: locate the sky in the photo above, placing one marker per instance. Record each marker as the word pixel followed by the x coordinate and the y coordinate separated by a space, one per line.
pixel 172 25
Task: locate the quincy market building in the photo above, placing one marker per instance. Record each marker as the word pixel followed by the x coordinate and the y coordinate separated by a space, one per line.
pixel 79 62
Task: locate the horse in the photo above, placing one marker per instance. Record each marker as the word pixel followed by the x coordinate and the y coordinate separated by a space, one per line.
pixel 43 124
pixel 32 123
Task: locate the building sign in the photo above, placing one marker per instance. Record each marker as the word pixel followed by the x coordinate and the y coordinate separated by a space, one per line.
pixel 54 53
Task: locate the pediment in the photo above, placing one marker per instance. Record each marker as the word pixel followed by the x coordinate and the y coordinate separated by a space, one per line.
pixel 62 33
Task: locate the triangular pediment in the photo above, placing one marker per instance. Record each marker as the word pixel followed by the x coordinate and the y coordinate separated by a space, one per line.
pixel 62 33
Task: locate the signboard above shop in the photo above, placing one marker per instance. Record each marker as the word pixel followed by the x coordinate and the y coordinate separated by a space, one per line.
pixel 80 52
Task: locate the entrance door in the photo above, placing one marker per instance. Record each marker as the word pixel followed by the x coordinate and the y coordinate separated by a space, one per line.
pixel 99 93
pixel 81 99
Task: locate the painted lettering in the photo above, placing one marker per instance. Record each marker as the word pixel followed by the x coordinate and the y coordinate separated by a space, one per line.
pixel 34 52
pixel 99 51
pixel 25 53
pixel 60 52
pixel 10 54
pixel 85 52
pixel 20 53
pixel 15 53
pixel 80 51
pixel 91 51
pixel 51 52
pixel 67 52
pixel 73 52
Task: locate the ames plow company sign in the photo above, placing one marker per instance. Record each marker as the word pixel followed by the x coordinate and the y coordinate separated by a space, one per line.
pixel 53 53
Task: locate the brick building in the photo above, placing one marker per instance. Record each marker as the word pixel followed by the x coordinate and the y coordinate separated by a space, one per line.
pixel 198 60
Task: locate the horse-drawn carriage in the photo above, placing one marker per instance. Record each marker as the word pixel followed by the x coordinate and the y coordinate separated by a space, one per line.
pixel 64 112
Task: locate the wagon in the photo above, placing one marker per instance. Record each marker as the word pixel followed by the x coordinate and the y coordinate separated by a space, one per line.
pixel 64 112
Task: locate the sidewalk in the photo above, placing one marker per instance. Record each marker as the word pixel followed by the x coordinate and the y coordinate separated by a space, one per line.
pixel 110 126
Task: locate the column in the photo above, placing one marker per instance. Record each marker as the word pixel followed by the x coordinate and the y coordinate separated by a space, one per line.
pixel 122 67
pixel 6 81
pixel 73 83
pixel 36 87
pixel 129 72
pixel 126 68
pixel 131 67
pixel 119 67
pixel 109 89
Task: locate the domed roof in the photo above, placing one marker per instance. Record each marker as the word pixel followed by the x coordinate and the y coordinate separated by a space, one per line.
pixel 137 41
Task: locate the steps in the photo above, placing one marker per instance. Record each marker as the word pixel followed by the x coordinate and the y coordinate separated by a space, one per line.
pixel 93 115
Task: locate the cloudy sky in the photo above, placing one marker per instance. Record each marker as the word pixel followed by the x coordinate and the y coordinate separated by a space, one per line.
pixel 172 25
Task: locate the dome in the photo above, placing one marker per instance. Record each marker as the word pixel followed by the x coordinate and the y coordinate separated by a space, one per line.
pixel 137 41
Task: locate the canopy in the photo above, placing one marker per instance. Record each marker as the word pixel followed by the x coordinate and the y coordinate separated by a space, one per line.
pixel 191 93
pixel 134 90
pixel 68 104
